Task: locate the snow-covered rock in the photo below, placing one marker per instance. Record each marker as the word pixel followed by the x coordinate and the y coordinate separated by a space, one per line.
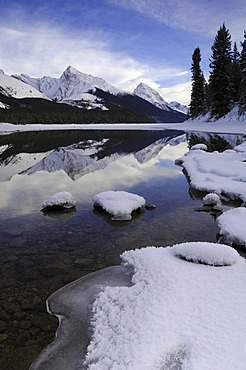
pixel 211 199
pixel 199 146
pixel 10 86
pixel 70 86
pixel 232 225
pixel 120 204
pixel 59 200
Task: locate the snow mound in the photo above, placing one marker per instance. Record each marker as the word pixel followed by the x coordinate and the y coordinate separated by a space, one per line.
pixel 62 199
pixel 232 225
pixel 175 315
pixel 118 203
pixel 211 199
pixel 206 253
pixel 199 146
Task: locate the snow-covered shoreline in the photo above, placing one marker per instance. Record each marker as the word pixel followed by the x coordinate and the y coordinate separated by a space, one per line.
pixel 224 125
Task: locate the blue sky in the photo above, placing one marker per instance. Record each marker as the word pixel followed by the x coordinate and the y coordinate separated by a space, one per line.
pixel 123 41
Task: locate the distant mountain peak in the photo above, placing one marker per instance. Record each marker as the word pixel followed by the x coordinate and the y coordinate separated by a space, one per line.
pixel 151 95
pixel 146 92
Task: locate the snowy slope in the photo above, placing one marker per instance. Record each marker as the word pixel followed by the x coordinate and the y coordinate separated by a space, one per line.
pixel 71 86
pixel 10 86
pixel 151 95
pixel 179 107
pixel 147 93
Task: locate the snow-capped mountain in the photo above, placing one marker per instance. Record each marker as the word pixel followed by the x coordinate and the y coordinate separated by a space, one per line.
pixel 151 95
pixel 84 91
pixel 11 87
pixel 71 86
pixel 179 107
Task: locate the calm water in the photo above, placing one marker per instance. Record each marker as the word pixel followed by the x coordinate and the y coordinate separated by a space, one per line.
pixel 42 252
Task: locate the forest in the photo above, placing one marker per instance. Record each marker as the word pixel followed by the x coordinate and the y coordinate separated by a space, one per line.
pixel 226 85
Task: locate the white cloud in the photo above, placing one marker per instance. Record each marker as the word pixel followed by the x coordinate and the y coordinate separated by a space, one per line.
pixel 201 16
pixel 39 49
pixel 178 92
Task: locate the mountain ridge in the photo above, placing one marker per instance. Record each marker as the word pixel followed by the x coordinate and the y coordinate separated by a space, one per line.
pixel 85 91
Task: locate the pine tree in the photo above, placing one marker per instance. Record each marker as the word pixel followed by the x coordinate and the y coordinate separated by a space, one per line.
pixel 197 90
pixel 219 81
pixel 242 100
pixel 207 98
pixel 235 75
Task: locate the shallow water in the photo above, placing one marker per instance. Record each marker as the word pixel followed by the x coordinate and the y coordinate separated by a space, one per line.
pixel 42 252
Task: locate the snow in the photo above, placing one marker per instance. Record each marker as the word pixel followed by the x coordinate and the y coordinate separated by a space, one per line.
pixel 18 89
pixel 222 173
pixel 179 107
pixel 199 147
pixel 211 199
pixel 155 311
pixel 118 203
pixel 176 314
pixel 206 253
pixel 151 95
pixel 71 85
pixel 147 93
pixel 61 199
pixel 232 225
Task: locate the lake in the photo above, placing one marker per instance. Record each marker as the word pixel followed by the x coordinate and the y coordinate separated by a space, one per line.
pixel 41 252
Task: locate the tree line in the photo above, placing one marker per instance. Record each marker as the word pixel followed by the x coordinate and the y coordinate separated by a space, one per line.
pixel 65 116
pixel 226 85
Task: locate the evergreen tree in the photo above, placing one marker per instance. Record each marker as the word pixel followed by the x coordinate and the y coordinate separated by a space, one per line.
pixel 197 90
pixel 207 98
pixel 219 82
pixel 235 75
pixel 242 101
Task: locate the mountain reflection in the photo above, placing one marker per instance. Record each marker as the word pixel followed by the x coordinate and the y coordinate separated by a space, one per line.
pixel 94 153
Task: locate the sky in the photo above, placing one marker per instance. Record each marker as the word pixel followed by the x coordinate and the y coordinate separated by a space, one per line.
pixel 124 42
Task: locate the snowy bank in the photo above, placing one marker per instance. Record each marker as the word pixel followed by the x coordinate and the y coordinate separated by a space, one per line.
pixel 173 314
pixel 220 173
pixel 232 225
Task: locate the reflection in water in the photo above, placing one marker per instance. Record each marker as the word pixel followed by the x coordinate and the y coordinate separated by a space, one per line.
pixel 61 214
pixel 219 142
pixel 39 254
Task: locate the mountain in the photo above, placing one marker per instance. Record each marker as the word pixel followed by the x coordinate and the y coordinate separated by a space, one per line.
pixel 151 95
pixel 147 93
pixel 79 90
pixel 179 107
pixel 71 86
pixel 11 87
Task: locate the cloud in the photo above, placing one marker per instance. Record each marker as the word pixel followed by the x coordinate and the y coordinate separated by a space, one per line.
pixel 39 49
pixel 179 92
pixel 201 16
